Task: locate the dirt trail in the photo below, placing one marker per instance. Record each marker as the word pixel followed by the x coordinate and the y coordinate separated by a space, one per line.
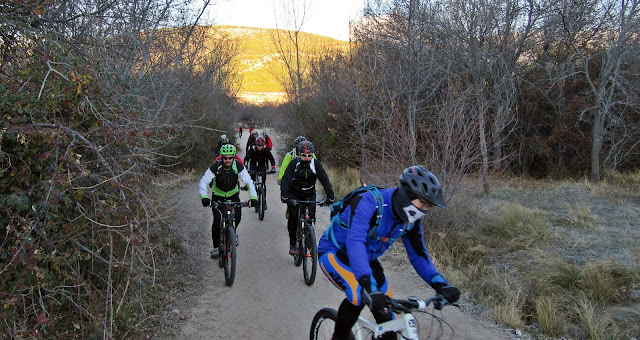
pixel 269 299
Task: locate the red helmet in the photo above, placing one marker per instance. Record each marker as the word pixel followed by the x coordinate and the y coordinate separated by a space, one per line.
pixel 260 141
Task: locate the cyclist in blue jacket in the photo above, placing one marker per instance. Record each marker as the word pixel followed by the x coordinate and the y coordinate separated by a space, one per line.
pixel 349 256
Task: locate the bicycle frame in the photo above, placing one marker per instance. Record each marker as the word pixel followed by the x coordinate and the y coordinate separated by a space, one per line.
pixel 306 243
pixel 261 190
pixel 404 323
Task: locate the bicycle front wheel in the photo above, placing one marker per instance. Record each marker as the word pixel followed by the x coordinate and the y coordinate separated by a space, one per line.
pixel 230 256
pixel 297 258
pixel 261 200
pixel 323 324
pixel 310 255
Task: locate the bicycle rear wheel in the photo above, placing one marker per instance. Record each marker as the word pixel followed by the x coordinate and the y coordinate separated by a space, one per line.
pixel 310 255
pixel 323 324
pixel 261 199
pixel 230 256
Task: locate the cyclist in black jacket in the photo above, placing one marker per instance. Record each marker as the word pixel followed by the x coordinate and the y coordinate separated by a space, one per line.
pixel 257 159
pixel 299 182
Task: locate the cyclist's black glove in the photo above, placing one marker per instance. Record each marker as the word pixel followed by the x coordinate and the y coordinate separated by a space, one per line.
pixel 284 199
pixel 273 170
pixel 329 201
pixel 206 202
pixel 451 293
pixel 375 300
pixel 253 202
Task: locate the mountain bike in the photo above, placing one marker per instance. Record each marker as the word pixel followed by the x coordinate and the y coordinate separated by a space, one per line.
pixel 227 247
pixel 306 245
pixel 404 323
pixel 261 189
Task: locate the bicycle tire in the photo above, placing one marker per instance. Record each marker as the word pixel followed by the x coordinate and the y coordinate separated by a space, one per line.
pixel 323 324
pixel 310 255
pixel 261 200
pixel 297 258
pixel 220 256
pixel 230 256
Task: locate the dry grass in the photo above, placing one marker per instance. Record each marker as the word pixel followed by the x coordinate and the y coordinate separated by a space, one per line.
pixel 343 181
pixel 581 216
pixel 594 324
pixel 515 226
pixel 547 312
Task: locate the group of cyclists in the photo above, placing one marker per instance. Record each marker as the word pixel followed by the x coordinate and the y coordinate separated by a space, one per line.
pixel 348 255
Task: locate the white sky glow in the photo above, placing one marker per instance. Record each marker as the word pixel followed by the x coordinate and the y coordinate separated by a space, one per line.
pixel 325 17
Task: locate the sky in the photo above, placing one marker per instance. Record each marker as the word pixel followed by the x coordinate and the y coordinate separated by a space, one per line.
pixel 325 17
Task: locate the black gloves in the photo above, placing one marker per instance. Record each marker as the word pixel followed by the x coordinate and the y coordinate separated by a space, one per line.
pixel 206 202
pixel 284 199
pixel 375 300
pixel 451 293
pixel 253 202
pixel 330 201
pixel 273 170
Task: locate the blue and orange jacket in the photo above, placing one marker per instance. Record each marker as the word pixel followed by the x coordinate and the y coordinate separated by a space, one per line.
pixel 361 248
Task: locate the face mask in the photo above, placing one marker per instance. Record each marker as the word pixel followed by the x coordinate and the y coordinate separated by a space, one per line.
pixel 414 213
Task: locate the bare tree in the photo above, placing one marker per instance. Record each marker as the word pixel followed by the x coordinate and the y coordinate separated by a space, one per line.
pixel 288 43
pixel 603 36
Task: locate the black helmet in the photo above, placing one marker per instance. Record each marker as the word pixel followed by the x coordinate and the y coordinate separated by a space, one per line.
pixel 299 139
pixel 421 183
pixel 306 147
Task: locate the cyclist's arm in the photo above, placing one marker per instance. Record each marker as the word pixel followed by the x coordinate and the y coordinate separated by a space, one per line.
pixel 244 176
pixel 418 254
pixel 283 166
pixel 324 179
pixel 271 159
pixel 357 235
pixel 248 156
pixel 286 178
pixel 203 186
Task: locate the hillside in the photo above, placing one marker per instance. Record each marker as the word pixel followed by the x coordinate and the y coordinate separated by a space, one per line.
pixel 259 64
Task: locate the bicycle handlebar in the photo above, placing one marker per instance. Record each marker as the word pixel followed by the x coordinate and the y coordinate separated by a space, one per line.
pixel 262 172
pixel 416 304
pixel 225 203
pixel 301 202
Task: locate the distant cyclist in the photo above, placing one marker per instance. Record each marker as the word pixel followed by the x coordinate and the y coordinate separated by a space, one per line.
pixel 349 255
pixel 258 158
pixel 222 176
pixel 223 140
pixel 267 140
pixel 251 141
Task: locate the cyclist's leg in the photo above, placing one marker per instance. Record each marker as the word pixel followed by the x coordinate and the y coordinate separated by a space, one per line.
pixel 215 227
pixel 238 209
pixel 292 224
pixel 264 185
pixel 383 286
pixel 336 268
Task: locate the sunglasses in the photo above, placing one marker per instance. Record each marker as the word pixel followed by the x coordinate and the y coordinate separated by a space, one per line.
pixel 228 158
pixel 306 155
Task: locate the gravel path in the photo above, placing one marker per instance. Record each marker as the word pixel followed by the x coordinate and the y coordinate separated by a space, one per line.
pixel 269 299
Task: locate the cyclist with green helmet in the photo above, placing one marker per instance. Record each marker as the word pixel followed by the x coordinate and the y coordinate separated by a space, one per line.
pixel 222 176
